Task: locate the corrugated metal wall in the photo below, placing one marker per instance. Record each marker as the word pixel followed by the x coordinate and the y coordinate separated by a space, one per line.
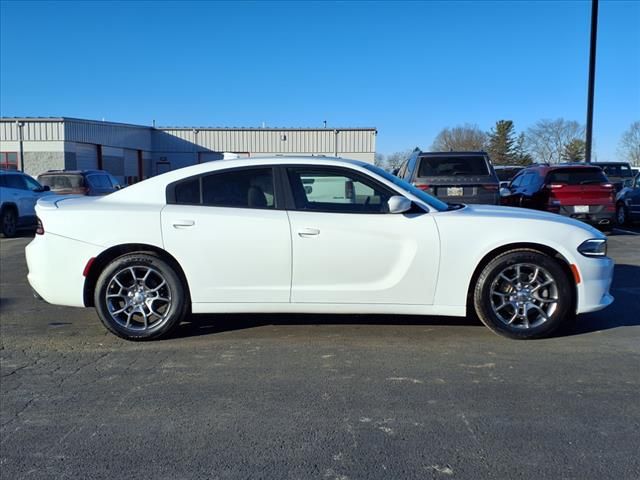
pixel 103 133
pixel 265 140
pixel 40 130
pixel 255 141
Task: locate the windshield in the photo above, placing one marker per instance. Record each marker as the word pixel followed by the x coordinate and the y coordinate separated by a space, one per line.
pixel 577 176
pixel 425 197
pixel 453 166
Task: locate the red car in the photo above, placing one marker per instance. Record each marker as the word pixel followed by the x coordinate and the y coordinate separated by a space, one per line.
pixel 579 191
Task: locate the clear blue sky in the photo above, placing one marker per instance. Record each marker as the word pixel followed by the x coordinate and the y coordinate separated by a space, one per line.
pixel 408 69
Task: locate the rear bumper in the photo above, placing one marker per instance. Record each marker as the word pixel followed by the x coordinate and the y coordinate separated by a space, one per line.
pixel 593 290
pixel 56 265
pixel 597 219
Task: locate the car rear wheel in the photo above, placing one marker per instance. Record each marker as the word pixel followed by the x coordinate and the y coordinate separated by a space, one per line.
pixel 139 296
pixel 9 222
pixel 523 294
pixel 622 216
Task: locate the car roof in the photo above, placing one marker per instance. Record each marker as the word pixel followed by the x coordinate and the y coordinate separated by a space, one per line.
pixel 72 172
pixel 11 172
pixel 453 154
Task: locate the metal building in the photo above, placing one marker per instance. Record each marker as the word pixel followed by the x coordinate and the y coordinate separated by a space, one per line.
pixel 134 152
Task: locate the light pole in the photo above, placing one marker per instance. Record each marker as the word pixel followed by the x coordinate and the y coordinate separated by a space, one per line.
pixel 592 78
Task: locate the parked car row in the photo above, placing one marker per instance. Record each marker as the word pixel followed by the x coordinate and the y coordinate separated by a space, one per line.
pixel 19 193
pixel 576 190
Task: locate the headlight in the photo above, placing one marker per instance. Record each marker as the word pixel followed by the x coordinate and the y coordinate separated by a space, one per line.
pixel 594 247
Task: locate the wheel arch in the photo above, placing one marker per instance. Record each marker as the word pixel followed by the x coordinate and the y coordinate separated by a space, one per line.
pixel 7 206
pixel 544 249
pixel 106 257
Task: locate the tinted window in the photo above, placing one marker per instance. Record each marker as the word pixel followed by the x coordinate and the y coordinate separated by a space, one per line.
pixel 452 166
pixel 32 184
pixel 577 176
pixel 617 170
pixel 61 182
pixel 336 191
pixel 506 174
pixel 251 188
pixel 16 181
pixel 100 181
pixel 188 192
pixel 517 181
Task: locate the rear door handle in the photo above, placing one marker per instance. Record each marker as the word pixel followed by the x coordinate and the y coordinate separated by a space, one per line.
pixel 309 232
pixel 183 223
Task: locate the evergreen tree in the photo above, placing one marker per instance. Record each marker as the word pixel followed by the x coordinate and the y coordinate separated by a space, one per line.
pixel 574 151
pixel 501 145
pixel 520 154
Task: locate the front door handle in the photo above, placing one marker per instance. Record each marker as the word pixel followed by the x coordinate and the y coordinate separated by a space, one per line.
pixel 309 232
pixel 183 223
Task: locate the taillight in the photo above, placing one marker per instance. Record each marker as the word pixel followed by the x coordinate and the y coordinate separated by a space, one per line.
pixel 555 186
pixel 39 227
pixel 492 187
pixel 422 186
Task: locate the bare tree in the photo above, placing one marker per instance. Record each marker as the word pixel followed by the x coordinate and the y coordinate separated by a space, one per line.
pixel 547 139
pixel 465 137
pixel 629 147
pixel 395 159
pixel 378 160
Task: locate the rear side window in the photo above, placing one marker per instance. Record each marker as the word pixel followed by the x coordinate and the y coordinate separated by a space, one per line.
pixel 15 181
pixel 246 188
pixel 453 166
pixel 577 176
pixel 62 182
pixel 617 170
pixel 506 174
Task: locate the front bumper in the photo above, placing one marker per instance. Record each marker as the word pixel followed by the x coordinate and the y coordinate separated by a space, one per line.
pixel 593 290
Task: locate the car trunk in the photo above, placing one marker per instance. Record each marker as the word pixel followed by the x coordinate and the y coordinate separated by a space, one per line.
pixel 583 191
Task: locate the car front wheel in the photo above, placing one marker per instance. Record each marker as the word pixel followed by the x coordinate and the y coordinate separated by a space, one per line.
pixel 523 294
pixel 139 296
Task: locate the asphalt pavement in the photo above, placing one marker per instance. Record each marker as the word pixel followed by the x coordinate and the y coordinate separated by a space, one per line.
pixel 316 396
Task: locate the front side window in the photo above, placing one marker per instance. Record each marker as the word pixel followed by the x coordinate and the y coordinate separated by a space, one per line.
pixel 245 188
pixel 100 181
pixel 336 190
pixel 33 185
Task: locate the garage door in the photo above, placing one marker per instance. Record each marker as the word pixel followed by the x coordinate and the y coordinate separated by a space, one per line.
pixel 86 156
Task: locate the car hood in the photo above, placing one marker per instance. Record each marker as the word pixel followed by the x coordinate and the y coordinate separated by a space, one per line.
pixel 518 214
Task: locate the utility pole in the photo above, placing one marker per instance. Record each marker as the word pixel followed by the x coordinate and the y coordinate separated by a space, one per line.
pixel 592 78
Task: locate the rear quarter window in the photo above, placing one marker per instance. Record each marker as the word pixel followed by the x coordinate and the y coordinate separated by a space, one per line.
pixel 453 166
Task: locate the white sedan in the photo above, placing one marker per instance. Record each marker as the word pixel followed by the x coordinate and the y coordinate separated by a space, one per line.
pixel 310 235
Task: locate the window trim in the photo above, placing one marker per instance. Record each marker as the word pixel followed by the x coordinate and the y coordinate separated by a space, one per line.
pixel 170 192
pixel 340 171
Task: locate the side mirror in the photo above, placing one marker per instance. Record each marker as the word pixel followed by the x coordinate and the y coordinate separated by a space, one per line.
pixel 44 188
pixel 505 192
pixel 399 204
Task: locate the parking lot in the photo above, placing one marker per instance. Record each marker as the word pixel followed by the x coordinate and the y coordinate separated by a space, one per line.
pixel 310 396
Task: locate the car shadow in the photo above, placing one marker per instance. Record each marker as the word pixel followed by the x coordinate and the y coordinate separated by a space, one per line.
pixel 622 313
pixel 208 324
pixel 625 310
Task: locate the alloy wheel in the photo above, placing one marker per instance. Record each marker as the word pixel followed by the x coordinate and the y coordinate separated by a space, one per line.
pixel 524 295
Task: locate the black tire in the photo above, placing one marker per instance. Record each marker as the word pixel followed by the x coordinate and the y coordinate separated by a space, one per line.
pixel 9 222
pixel 622 214
pixel 491 288
pixel 133 293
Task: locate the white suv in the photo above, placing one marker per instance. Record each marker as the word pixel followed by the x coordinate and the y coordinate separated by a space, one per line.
pixel 18 196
